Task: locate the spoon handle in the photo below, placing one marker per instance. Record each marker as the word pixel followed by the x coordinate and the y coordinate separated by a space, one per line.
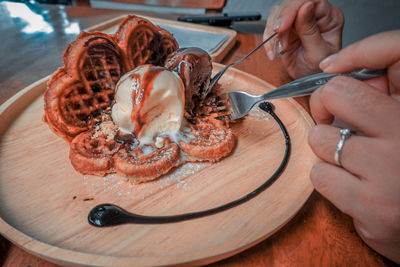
pixel 217 76
pixel 307 85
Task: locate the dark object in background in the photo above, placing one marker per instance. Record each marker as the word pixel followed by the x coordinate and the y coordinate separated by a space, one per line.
pixel 4 247
pixel 225 19
pixel 32 2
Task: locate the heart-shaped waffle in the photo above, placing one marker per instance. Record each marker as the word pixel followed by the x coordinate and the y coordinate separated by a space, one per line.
pixel 93 63
pixel 101 151
pixel 93 154
pixel 145 165
pixel 144 43
pixel 78 92
pixel 79 97
pixel 208 139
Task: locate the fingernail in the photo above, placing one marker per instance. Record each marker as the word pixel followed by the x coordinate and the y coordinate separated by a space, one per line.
pixel 278 47
pixel 271 55
pixel 277 25
pixel 280 54
pixel 309 7
pixel 392 89
pixel 324 65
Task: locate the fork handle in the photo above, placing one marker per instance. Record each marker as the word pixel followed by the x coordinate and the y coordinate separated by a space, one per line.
pixel 307 85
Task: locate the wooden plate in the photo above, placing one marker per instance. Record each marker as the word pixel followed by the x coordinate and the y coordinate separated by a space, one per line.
pixel 45 203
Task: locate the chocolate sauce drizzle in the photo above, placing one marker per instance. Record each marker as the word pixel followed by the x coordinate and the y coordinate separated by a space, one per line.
pixel 111 215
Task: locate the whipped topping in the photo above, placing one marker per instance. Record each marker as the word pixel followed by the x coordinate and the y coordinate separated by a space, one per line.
pixel 149 101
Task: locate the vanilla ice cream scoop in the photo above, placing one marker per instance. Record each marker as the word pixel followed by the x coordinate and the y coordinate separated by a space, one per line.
pixel 149 101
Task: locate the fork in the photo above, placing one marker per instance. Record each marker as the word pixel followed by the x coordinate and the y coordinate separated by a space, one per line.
pixel 217 76
pixel 239 103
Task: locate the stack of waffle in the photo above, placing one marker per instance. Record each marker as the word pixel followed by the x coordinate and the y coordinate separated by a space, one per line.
pixel 79 97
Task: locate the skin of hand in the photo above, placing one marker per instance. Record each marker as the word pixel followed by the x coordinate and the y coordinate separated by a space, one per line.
pixel 308 31
pixel 367 185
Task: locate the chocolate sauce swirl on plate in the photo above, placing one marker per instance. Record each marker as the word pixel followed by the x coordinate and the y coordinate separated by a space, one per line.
pixel 111 215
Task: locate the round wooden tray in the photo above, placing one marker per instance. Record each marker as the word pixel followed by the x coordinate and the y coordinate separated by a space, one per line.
pixel 45 202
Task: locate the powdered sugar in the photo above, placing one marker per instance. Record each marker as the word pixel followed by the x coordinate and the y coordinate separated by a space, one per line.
pixel 118 186
pixel 178 177
pixel 257 114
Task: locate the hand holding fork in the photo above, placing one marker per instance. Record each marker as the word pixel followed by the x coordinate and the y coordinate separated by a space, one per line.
pixel 239 103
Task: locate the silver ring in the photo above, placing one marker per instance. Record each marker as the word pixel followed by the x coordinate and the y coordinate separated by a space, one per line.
pixel 344 134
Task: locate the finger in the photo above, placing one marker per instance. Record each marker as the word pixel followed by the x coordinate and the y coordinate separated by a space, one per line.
pixel 376 52
pixel 338 186
pixel 280 44
pixel 288 15
pixel 314 45
pixel 273 15
pixel 394 80
pixel 360 155
pixel 356 103
pixel 283 24
pixel 329 19
pixel 284 18
pixel 377 236
pixel 380 51
pixel 380 83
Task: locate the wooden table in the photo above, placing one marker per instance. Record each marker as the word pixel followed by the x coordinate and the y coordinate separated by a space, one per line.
pixel 32 40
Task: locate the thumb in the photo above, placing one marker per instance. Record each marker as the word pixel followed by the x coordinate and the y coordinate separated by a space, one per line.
pixel 309 34
pixel 380 51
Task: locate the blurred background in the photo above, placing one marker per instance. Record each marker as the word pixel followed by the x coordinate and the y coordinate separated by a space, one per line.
pixel 362 17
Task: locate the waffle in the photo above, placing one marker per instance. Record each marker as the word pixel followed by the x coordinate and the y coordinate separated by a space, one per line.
pixel 143 43
pixel 145 165
pixel 79 97
pixel 78 92
pixel 168 45
pixel 93 63
pixel 91 154
pixel 208 139
pixel 104 150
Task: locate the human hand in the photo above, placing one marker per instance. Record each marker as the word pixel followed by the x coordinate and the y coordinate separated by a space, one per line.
pixel 308 31
pixel 367 184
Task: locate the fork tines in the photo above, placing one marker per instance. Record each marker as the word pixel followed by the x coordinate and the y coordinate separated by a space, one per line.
pixel 223 108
